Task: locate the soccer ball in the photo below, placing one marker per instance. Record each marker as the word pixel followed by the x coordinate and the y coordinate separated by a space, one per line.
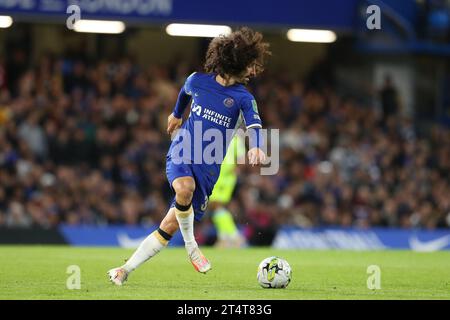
pixel 274 272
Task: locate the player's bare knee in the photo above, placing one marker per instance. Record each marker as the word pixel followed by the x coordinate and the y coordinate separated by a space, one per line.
pixel 184 189
pixel 184 196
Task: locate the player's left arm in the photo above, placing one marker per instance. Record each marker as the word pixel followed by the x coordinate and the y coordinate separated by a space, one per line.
pixel 256 155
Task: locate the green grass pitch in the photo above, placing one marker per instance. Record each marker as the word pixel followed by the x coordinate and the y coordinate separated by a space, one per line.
pixel 39 272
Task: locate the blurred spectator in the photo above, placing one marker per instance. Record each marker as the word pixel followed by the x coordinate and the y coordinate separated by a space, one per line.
pixel 389 98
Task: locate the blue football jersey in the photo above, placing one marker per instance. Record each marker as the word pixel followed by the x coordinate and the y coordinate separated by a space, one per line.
pixel 216 111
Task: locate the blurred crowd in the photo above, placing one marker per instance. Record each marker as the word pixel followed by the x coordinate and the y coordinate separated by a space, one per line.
pixel 85 143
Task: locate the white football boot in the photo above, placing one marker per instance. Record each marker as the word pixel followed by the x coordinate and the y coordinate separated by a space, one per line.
pixel 199 261
pixel 118 276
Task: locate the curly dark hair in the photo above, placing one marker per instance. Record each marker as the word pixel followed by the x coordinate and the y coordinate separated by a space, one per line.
pixel 231 55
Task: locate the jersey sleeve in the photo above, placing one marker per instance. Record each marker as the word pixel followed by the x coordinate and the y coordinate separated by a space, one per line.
pixel 250 112
pixel 188 84
pixel 184 97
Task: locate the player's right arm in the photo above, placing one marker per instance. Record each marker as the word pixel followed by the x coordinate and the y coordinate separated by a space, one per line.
pixel 184 97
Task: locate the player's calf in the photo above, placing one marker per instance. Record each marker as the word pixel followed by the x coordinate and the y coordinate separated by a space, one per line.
pixel 148 248
pixel 185 217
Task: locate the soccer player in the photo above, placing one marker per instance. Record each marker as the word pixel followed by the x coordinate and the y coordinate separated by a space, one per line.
pixel 220 102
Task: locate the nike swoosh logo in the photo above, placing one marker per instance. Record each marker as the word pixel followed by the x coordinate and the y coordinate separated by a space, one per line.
pixel 429 246
pixel 126 242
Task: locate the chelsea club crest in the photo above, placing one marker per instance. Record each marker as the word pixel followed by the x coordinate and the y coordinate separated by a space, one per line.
pixel 228 102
